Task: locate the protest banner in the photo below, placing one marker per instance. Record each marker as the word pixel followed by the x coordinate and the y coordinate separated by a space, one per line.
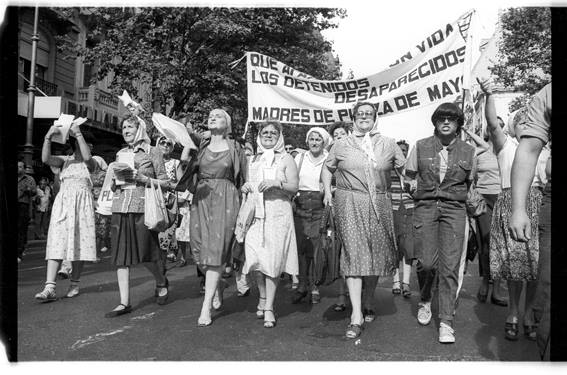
pixel 431 72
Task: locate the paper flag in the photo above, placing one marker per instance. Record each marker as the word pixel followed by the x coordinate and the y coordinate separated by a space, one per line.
pixel 173 130
pixel 64 124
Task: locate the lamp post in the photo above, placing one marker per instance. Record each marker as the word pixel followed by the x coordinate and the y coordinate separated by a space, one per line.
pixel 28 147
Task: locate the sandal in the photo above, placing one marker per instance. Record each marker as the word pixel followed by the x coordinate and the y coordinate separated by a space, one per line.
pixel 218 297
pixel 369 315
pixel 511 331
pixel 114 313
pixel 161 300
pixel 260 308
pixel 406 291
pixel 530 332
pixel 353 331
pixel 267 322
pixel 204 323
pixel 396 288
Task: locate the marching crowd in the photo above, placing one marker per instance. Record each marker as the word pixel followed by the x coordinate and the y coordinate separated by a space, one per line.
pixel 260 213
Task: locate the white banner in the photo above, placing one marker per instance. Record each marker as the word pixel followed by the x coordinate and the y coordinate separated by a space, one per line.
pixel 431 72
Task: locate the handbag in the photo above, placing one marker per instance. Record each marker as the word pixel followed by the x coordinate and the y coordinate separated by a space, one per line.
pixel 172 208
pixel 475 203
pixel 244 218
pixel 156 216
pixel 327 252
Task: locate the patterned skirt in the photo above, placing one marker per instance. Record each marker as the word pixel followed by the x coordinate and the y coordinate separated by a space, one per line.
pixel 509 259
pixel 369 243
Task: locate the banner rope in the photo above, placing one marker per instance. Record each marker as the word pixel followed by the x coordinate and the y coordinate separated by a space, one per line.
pixel 233 64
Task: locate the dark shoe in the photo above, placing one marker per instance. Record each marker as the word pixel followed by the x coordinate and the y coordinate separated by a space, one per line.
pixel 315 298
pixel 338 307
pixel 115 313
pixel 406 291
pixel 369 315
pixel 396 288
pixel 245 294
pixel 298 296
pixel 530 332
pixel 162 300
pixel 511 331
pixel 498 301
pixel 353 331
pixel 481 297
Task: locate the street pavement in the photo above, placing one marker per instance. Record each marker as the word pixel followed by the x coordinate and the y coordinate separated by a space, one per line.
pixel 76 329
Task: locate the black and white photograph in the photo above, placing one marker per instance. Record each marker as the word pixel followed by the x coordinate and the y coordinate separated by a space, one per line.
pixel 232 182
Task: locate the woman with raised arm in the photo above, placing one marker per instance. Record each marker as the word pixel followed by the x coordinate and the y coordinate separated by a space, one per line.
pixel 515 262
pixel 71 234
pixel 362 163
pixel 219 170
pixel 270 244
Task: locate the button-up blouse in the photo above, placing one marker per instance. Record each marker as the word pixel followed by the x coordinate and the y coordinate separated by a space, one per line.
pixel 149 162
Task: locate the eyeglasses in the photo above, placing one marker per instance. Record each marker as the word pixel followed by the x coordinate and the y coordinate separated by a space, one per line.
pixel 165 143
pixel 365 114
pixel 289 148
pixel 447 118
pixel 268 133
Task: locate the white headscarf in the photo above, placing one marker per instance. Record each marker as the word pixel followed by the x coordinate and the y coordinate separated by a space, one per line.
pixel 366 143
pixel 141 134
pixel 322 132
pixel 268 155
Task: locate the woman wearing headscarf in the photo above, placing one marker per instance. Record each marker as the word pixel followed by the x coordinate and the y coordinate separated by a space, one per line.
pixel 131 240
pixel 270 244
pixel 362 163
pixel 309 209
pixel 219 170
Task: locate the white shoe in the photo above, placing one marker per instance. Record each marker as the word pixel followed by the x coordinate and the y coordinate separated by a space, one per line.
pixel 424 313
pixel 48 294
pixel 73 291
pixel 104 250
pixel 446 334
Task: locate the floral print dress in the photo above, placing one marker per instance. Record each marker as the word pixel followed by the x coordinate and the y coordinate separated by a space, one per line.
pixel 167 239
pixel 71 234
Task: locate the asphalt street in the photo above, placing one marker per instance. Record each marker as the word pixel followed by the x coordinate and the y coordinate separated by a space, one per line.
pixel 76 329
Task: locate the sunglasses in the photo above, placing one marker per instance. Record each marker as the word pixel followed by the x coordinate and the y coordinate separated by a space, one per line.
pixel 447 118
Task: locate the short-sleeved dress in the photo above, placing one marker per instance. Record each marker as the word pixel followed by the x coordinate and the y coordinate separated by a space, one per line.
pixel 214 208
pixel 270 244
pixel 510 259
pixel 363 217
pixel 71 234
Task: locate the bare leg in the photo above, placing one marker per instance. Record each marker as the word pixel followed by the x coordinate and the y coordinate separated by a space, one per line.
pixel 269 315
pixel 261 283
pixel 123 276
pixel 212 276
pixel 515 290
pixel 354 285
pixel 496 290
pixel 341 300
pixel 52 268
pixel 407 272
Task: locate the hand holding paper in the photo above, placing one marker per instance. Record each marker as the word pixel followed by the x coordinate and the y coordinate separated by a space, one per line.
pixel 173 130
pixel 63 123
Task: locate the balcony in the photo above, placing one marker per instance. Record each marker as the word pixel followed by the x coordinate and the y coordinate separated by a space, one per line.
pixel 48 88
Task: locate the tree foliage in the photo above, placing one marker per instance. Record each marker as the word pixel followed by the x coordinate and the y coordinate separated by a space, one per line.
pixel 182 55
pixel 524 56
